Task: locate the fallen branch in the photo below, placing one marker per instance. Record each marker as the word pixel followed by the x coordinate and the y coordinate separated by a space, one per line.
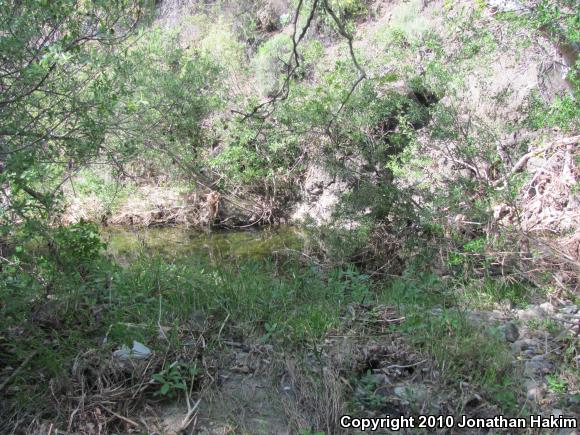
pixel 519 166
pixel 119 416
pixel 397 366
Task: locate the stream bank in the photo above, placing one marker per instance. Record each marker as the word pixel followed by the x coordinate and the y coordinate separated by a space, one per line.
pixel 242 333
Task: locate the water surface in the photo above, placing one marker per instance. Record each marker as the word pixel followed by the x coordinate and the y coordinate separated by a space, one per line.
pixel 126 244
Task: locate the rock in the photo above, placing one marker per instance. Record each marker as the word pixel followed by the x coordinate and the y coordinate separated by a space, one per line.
pixel 500 211
pixel 569 309
pixel 380 379
pixel 411 392
pixel 537 366
pixel 466 173
pixel 525 344
pixel 532 313
pixel 484 317
pixel 316 191
pixel 241 363
pixel 472 401
pixel 323 190
pixel 266 348
pixel 241 369
pixel 269 16
pixel 573 400
pixel 287 389
pixel 538 163
pixel 534 391
pixel 509 332
pixel 506 304
pixel 506 5
pixel 400 391
pixel 548 308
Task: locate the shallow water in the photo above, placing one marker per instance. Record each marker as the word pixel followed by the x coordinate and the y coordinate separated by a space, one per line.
pixel 126 244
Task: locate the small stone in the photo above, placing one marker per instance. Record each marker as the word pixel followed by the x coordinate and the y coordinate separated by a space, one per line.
pixel 466 173
pixel 569 309
pixel 286 389
pixel 506 304
pixel 534 391
pixel 472 401
pixel 412 393
pixel 509 332
pixel 525 344
pixel 574 400
pixel 506 6
pixel 262 349
pixel 241 369
pixel 547 307
pixel 400 392
pixel 532 313
pixel 538 365
pixel 380 379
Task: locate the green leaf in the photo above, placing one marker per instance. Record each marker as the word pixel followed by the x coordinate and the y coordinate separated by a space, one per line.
pixel 158 377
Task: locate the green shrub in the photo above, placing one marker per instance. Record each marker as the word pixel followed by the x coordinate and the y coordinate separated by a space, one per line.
pixel 562 112
pixel 269 63
pixel 78 244
pixel 240 164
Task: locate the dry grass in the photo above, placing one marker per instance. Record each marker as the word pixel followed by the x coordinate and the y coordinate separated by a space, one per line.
pixel 314 400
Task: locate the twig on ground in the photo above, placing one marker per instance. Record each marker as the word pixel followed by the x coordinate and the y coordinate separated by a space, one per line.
pixel 222 327
pixel 397 366
pixel 18 369
pixel 119 416
pixel 191 413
